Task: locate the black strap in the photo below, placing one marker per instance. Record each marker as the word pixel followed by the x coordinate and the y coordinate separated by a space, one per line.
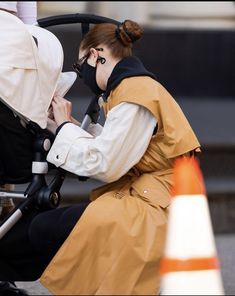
pixel 85 28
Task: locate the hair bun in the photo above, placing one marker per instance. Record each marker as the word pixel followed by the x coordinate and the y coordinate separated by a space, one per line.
pixel 129 32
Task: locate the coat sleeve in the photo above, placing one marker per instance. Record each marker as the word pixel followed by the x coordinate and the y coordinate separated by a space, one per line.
pixel 121 144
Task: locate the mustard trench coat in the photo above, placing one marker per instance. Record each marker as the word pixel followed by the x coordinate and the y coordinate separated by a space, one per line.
pixel 116 246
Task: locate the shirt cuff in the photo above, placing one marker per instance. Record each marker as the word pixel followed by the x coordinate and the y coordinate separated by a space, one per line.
pixel 65 138
pixel 60 126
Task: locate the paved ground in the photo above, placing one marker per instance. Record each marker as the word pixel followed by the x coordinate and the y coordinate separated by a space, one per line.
pixel 225 246
pixel 33 288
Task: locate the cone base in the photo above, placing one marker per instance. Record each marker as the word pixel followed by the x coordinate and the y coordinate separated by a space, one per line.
pixel 206 282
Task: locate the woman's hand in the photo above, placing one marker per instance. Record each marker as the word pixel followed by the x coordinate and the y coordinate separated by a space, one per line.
pixel 62 110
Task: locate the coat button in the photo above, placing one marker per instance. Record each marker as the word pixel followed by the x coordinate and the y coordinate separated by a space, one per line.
pixel 57 156
pixel 145 191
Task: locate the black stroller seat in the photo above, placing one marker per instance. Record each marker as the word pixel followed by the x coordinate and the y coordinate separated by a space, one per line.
pixel 16 149
pixel 23 152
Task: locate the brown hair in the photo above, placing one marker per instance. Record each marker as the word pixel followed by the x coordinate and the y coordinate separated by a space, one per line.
pixel 118 38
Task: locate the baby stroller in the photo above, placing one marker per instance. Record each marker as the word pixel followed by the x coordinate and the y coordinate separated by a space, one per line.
pixel 26 133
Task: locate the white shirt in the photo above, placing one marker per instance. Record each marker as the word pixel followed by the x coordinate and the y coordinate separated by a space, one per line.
pixel 111 152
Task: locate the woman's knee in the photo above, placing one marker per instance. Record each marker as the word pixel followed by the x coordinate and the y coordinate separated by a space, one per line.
pixel 42 230
pixel 49 230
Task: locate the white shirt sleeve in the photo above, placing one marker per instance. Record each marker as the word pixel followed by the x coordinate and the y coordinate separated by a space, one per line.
pixel 27 11
pixel 121 144
pixel 95 129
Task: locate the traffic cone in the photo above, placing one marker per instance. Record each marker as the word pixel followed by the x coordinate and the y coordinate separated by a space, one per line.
pixel 190 265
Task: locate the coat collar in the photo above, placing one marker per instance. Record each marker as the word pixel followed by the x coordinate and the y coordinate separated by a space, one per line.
pixel 127 67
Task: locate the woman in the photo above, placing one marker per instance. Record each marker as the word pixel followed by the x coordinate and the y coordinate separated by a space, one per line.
pixel 116 246
pixel 117 239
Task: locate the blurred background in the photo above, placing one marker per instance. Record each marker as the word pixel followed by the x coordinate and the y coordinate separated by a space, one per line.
pixel 195 14
pixel 190 47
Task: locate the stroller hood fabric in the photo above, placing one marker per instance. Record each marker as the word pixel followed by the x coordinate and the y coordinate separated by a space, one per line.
pixel 30 69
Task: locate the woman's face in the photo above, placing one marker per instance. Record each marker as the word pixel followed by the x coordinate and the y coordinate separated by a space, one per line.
pixel 88 67
pixel 101 63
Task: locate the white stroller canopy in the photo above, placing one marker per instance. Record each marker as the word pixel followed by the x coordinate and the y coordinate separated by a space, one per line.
pixel 30 74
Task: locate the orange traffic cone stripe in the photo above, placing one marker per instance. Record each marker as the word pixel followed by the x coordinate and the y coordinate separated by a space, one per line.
pixel 187 177
pixel 193 264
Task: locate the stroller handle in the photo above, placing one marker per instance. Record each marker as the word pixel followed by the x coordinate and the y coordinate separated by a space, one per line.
pixel 75 18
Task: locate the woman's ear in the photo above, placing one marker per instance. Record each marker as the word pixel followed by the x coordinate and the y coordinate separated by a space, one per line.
pixel 94 52
pixel 92 60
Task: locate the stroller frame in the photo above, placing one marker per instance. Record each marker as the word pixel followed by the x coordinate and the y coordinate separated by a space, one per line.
pixel 38 192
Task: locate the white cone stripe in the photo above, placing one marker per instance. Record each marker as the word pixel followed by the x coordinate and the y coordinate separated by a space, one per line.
pixel 192 283
pixel 190 233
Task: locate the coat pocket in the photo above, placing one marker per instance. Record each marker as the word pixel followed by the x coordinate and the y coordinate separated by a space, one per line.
pixel 152 190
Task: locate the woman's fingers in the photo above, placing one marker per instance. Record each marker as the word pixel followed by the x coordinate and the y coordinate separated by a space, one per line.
pixel 58 99
pixel 62 109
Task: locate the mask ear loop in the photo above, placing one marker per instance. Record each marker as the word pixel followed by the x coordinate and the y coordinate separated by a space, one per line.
pixel 102 60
